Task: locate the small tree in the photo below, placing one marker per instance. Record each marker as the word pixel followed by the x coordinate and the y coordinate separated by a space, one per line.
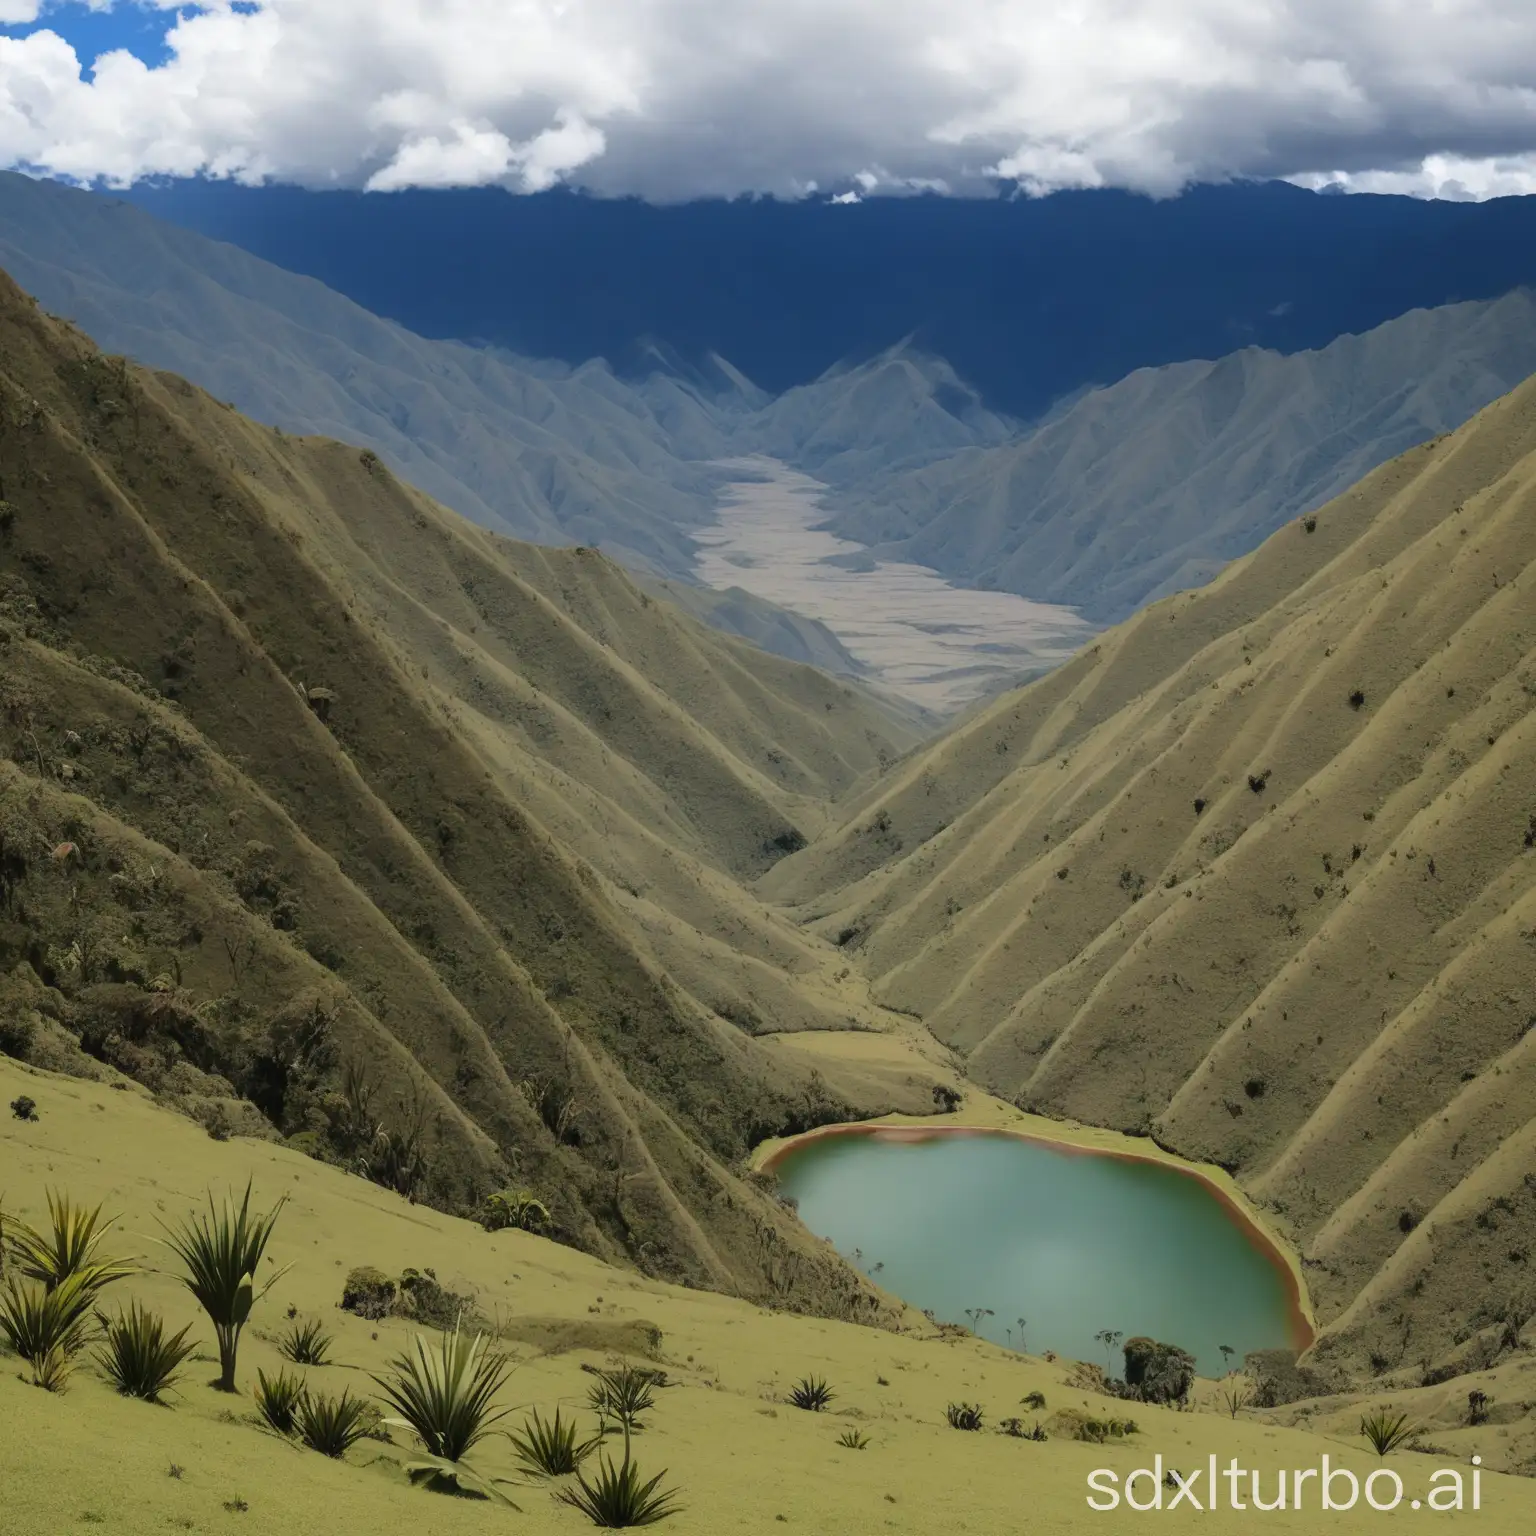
pixel 1109 1338
pixel 221 1252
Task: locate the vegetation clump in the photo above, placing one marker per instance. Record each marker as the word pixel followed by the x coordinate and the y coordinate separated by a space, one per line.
pixel 277 1399
pixel 140 1358
pixel 443 1393
pixel 1157 1373
pixel 853 1440
pixel 331 1425
pixel 617 1499
pixel 306 1344
pixel 24 1108
pixel 515 1208
pixel 552 1447
pixel 963 1416
pixel 1386 1431
pixel 811 1393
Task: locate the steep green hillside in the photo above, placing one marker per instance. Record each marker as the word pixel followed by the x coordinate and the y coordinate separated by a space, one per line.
pixel 1255 873
pixel 304 776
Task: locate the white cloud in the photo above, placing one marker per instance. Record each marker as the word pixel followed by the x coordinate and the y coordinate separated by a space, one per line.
pixel 675 98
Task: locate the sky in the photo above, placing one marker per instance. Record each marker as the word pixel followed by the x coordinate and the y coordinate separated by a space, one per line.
pixel 674 99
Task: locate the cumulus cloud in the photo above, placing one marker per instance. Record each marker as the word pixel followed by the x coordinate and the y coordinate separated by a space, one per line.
pixel 679 98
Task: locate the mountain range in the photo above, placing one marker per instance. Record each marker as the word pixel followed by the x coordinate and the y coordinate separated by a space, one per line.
pixel 1118 495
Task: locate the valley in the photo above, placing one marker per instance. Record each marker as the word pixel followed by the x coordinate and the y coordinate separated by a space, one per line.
pixel 431 778
pixel 909 630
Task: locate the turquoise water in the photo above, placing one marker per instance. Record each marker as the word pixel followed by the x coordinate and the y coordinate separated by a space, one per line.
pixel 1073 1243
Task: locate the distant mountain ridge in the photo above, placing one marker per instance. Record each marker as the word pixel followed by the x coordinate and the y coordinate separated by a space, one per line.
pixel 1029 299
pixel 1152 484
pixel 1115 496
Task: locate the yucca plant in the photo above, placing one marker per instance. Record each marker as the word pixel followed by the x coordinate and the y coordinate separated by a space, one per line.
pixel 443 1394
pixel 551 1447
pixel 963 1415
pixel 221 1251
pixel 331 1425
pixel 278 1398
pixel 622 1396
pixel 853 1440
pixel 49 1327
pixel 1386 1431
pixel 140 1358
pixel 811 1393
pixel 616 1498
pixel 306 1344
pixel 67 1248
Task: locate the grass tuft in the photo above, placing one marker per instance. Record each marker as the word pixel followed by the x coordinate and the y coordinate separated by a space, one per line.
pixel 853 1440
pixel 551 1447
pixel 963 1415
pixel 331 1425
pixel 306 1344
pixel 140 1359
pixel 811 1393
pixel 277 1399
pixel 616 1498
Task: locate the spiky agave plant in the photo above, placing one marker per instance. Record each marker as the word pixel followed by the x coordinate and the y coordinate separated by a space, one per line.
pixel 811 1393
pixel 616 1498
pixel 331 1425
pixel 140 1358
pixel 68 1247
pixel 221 1251
pixel 278 1398
pixel 1386 1431
pixel 551 1447
pixel 306 1344
pixel 48 1327
pixel 443 1393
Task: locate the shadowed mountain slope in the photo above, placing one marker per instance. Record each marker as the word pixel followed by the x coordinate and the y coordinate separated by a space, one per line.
pixel 1150 485
pixel 328 814
pixel 1256 873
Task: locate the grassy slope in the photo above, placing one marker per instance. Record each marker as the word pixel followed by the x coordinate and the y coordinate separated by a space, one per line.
pixel 505 852
pixel 746 1461
pixel 1325 984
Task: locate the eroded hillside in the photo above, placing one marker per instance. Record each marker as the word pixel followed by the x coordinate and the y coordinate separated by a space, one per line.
pixel 1256 873
pixel 331 816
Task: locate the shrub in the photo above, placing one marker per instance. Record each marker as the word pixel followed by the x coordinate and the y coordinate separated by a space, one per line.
pixel 305 1344
pixel 24 1108
pixel 1386 1431
pixel 550 1447
pixel 221 1251
pixel 515 1208
pixel 617 1498
pixel 331 1425
pixel 1035 1400
pixel 1158 1373
pixel 1477 1407
pixel 369 1293
pixel 1356 699
pixel 622 1396
pixel 443 1393
pixel 853 1440
pixel 277 1399
pixel 963 1416
pixel 811 1393
pixel 140 1358
pixel 16 1037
